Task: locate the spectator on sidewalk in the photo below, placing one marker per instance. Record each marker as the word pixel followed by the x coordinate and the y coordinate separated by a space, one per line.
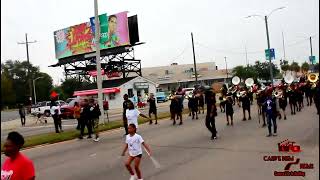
pixel 85 119
pixel 22 113
pixel 125 107
pixel 56 115
pixel 94 118
pixel 16 166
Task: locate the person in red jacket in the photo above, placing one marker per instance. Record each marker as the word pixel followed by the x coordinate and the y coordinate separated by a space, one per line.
pixel 16 166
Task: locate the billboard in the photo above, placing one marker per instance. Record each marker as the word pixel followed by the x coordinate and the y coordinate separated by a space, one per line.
pixel 80 39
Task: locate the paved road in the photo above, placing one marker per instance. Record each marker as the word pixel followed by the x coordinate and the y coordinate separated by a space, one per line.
pixel 33 129
pixel 186 152
pixel 9 115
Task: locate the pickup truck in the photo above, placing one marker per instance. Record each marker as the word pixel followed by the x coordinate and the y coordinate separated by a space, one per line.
pixel 44 108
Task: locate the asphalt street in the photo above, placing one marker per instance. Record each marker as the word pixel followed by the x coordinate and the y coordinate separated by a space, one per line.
pixel 9 115
pixel 186 152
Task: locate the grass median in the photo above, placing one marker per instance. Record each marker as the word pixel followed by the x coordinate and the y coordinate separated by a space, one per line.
pixel 50 138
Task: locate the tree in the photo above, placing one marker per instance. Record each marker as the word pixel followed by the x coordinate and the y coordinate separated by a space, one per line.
pixel 305 67
pixel 18 72
pixel 294 67
pixel 7 94
pixel 263 70
pixel 70 85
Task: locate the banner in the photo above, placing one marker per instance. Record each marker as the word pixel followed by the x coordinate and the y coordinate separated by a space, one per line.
pixel 80 39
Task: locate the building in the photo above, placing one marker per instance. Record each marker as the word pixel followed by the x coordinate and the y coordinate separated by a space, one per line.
pixel 171 77
pixel 113 90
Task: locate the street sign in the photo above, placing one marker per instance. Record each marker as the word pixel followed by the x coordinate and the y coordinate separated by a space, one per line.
pixel 312 59
pixel 269 53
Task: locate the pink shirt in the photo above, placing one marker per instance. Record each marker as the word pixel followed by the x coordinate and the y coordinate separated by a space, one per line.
pixel 19 169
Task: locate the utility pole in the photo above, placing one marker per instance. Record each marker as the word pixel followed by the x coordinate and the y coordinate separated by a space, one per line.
pixel 270 64
pixel 99 79
pixel 246 56
pixel 28 70
pixel 194 61
pixel 284 50
pixel 311 53
pixel 225 60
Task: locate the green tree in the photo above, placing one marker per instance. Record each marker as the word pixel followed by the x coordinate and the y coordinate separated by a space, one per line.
pixel 263 70
pixel 294 67
pixel 18 72
pixel 8 96
pixel 305 67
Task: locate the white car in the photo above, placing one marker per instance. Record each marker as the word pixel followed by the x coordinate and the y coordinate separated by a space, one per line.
pixel 44 108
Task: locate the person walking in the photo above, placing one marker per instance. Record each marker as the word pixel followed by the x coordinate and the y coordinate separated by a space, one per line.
pixel 211 113
pixel 22 113
pixel 152 108
pixel 229 110
pixel 85 119
pixel 56 115
pixel 245 105
pixel 16 166
pixel 76 113
pixel 133 113
pixel 94 118
pixel 125 107
pixel 201 102
pixel 271 112
pixel 283 103
pixel 133 144
pixel 193 106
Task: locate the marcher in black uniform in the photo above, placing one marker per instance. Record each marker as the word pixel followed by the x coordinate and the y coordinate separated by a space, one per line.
pixel 316 97
pixel 245 105
pixel 250 95
pixel 229 110
pixel 152 108
pixel 193 105
pixel 292 101
pixel 176 110
pixel 308 93
pixel 222 104
pixel 283 104
pixel 201 103
pixel 299 95
pixel 125 107
pixel 211 113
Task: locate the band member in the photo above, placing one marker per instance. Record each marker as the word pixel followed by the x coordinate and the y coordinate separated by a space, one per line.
pixel 271 112
pixel 229 110
pixel 250 95
pixel 245 105
pixel 283 104
pixel 222 104
pixel 299 95
pixel 193 106
pixel 211 113
pixel 201 103
pixel 308 93
pixel 152 108
pixel 176 110
pixel 292 99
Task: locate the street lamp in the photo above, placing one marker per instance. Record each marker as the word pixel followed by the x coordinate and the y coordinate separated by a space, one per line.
pixel 268 40
pixel 34 89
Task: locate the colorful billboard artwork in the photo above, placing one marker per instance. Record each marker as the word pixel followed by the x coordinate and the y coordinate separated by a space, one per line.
pixel 73 40
pixel 80 39
pixel 114 30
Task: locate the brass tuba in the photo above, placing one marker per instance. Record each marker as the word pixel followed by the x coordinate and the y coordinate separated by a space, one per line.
pixel 313 77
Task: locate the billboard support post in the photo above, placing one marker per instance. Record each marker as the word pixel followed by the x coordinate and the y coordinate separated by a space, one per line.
pixel 99 78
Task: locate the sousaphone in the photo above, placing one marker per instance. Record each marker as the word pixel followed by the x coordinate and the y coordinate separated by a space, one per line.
pixel 313 77
pixel 288 78
pixel 235 80
pixel 249 82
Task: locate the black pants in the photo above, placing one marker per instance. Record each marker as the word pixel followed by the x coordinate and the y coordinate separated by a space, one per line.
pixel 244 112
pixel 57 124
pixel 309 100
pixel 23 120
pixel 78 125
pixel 83 124
pixel 272 119
pixel 211 125
pixel 293 107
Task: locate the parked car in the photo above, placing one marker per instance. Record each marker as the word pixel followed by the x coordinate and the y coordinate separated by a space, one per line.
pixel 67 111
pixel 44 108
pixel 161 97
